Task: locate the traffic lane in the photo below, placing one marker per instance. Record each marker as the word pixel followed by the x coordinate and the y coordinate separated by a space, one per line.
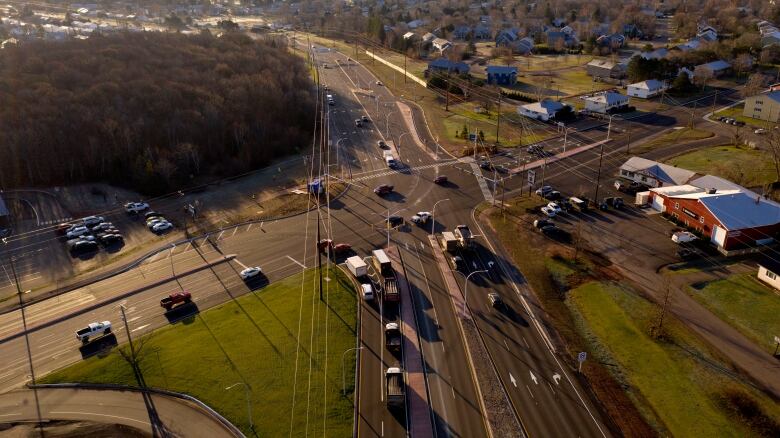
pixel 53 346
pixel 454 399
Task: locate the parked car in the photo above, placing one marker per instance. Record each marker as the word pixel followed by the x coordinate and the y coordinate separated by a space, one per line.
pixel 383 189
pixel 549 212
pixel 683 237
pixel 103 226
pixel 365 119
pixel 614 202
pixel 539 223
pixel 83 247
pixel 324 244
pixel 92 220
pixel 760 131
pixel 136 207
pixel 441 179
pixel 162 226
pixel 108 239
pixel 155 221
pixel 458 263
pixel 250 273
pixel 151 214
pixel 629 187
pixel 486 165
pixel 358 123
pixel 379 83
pixel 62 229
pixel 544 190
pixel 555 207
pixel 77 231
pixel 686 254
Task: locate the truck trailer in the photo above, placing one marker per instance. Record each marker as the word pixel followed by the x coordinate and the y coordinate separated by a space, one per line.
pixel 357 266
pixel 395 388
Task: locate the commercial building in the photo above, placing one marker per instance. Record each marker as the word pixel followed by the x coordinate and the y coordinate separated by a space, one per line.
pixel 734 221
pixel 646 89
pixel 765 106
pixel 544 110
pixel 606 102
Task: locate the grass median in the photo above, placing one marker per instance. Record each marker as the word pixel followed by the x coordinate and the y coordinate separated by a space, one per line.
pixel 282 341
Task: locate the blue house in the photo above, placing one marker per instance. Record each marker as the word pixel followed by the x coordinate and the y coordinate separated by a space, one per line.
pixel 444 65
pixel 501 75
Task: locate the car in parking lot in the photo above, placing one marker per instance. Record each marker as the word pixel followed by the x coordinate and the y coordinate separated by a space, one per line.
pixel 486 165
pixel 151 214
pixel 83 247
pixel 612 201
pixel 109 239
pixel 77 231
pixel 136 207
pixel 383 189
pixel 162 226
pixel 686 254
pixel 549 212
pixel 154 221
pixel 358 123
pixel 683 237
pixel 365 119
pixel 103 226
pixel 248 273
pixel 554 206
pixel 629 187
pixel 760 131
pixel 63 228
pixel 379 83
pixel 342 248
pixel 543 190
pixel 92 220
pixel 539 223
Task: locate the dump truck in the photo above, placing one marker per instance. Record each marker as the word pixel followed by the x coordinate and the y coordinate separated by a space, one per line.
pixel 393 336
pixel 448 241
pixel 182 297
pixel 464 236
pixel 357 266
pixel 395 388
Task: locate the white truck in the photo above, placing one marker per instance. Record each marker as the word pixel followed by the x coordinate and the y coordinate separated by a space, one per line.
pixel 448 241
pixel 357 266
pixel 390 159
pixel 92 330
pixel 464 236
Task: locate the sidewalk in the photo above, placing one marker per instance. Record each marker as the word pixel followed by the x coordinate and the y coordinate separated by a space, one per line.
pixel 562 155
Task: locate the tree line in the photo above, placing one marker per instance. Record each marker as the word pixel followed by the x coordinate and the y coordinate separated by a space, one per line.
pixel 149 111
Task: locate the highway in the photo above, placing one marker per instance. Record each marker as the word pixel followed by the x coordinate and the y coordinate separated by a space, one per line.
pixel 545 404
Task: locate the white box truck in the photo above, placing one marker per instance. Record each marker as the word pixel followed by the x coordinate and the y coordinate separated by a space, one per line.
pixel 357 266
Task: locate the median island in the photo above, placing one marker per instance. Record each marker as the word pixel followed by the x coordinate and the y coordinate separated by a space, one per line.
pixel 281 341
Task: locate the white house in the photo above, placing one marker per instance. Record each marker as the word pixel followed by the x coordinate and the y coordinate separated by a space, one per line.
pixel 441 45
pixel 654 174
pixel 544 110
pixel 646 89
pixel 605 102
pixel 769 273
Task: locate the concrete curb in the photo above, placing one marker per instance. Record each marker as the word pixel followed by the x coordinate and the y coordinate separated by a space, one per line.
pixel 115 387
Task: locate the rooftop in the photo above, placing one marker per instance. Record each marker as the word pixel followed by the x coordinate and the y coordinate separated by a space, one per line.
pixel 660 171
pixel 544 107
pixel 609 97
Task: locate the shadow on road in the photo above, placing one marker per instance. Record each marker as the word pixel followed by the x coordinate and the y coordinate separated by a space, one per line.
pixel 184 314
pixel 100 346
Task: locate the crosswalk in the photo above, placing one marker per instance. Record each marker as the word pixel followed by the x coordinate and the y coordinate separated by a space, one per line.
pixel 56 221
pixel 481 181
pixel 412 169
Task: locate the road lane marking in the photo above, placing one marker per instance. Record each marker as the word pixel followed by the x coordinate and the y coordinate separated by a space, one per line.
pixel 512 379
pixel 249 227
pixel 526 343
pixel 234 231
pixel 533 377
pixel 99 415
pixel 529 391
pixel 140 328
pixel 220 235
pixel 297 262
pixel 557 378
pixel 507 345
pixel 10 415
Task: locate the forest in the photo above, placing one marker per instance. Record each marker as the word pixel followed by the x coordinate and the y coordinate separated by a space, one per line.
pixel 149 111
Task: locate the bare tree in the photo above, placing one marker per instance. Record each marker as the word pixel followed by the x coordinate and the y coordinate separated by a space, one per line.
pixel 773 144
pixel 657 329
pixel 743 63
pixel 755 84
pixel 701 75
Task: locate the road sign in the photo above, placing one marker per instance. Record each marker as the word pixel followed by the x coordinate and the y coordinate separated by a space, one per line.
pixel 581 358
pixel 531 177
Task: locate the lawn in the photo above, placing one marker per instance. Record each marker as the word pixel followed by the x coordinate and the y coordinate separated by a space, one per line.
pixel 736 113
pixel 680 392
pixel 672 137
pixel 746 303
pixel 744 166
pixel 253 339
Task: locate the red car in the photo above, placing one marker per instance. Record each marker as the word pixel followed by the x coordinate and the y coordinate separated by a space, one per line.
pixel 384 189
pixel 62 229
pixel 342 248
pixel 324 244
pixel 175 298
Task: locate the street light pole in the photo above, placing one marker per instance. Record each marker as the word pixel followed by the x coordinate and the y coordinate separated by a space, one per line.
pixel 466 288
pixel 248 402
pixel 433 213
pixel 609 126
pixel 343 374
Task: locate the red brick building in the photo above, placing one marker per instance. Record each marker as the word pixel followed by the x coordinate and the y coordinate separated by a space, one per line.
pixel 730 219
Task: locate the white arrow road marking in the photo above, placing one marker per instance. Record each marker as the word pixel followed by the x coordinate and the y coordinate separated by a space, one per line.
pixel 512 379
pixel 557 378
pixel 533 377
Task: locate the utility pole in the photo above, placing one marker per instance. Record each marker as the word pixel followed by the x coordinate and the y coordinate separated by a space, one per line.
pixel 628 145
pixel 714 101
pixel 692 111
pixel 447 90
pixel 498 114
pixel 598 176
pixel 129 338
pixel 27 343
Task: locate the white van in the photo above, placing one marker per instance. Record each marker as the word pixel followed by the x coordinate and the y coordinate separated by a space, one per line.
pixel 368 292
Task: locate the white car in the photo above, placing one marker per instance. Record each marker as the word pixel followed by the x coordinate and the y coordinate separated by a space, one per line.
pixel 379 83
pixel 368 292
pixel 549 212
pixel 554 207
pixel 136 207
pixel 422 217
pixel 90 221
pixel 162 226
pixel 760 131
pixel 249 273
pixel 683 237
pixel 151 223
pixel 76 232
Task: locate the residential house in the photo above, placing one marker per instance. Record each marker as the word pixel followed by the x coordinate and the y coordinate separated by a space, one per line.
pixel 560 39
pixel 601 68
pixel 706 32
pixel 410 36
pixel 632 31
pixel 428 38
pixel 646 89
pixel 462 32
pixel 441 45
pixel 764 106
pixel 482 32
pixel 444 65
pixel 654 174
pixel 691 44
pixel 606 102
pixel 614 41
pixel 716 68
pixel 769 272
pixel 544 110
pixel 523 46
pixel 659 53
pixel 501 75
pixel 505 37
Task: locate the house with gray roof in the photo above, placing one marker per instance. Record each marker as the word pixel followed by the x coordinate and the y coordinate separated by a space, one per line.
pixel 717 68
pixel 606 102
pixel 501 75
pixel 543 110
pixel 444 65
pixel 604 68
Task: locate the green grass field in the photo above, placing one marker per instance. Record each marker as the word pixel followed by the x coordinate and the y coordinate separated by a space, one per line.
pixel 683 395
pixel 736 113
pixel 744 166
pixel 743 301
pixel 253 339
pixel 672 137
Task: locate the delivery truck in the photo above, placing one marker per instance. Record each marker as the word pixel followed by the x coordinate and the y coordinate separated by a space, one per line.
pixel 357 266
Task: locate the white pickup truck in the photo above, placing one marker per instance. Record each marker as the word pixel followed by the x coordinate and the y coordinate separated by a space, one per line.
pixel 93 329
